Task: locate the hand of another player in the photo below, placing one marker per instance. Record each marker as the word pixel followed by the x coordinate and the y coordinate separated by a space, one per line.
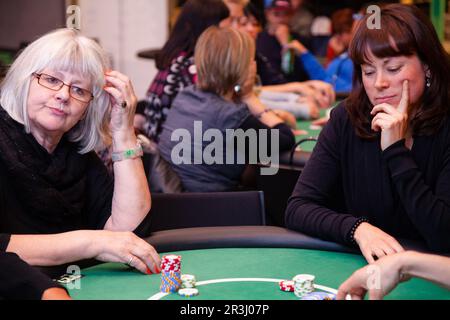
pixel 126 247
pixel 378 279
pixel 287 117
pixel 391 121
pixel 311 104
pixel 55 294
pixel 375 243
pixel 324 92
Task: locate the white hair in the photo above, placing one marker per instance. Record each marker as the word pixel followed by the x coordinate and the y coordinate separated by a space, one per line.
pixel 62 50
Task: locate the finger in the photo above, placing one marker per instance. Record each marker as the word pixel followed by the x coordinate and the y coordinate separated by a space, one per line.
pixel 116 95
pixel 388 250
pixel 404 101
pixel 395 245
pixel 342 293
pixel 368 255
pixel 148 255
pixel 118 75
pixel 380 124
pixel 375 294
pixel 378 252
pixel 117 83
pixel 383 107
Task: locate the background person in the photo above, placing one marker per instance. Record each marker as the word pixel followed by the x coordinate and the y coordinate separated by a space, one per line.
pixel 222 99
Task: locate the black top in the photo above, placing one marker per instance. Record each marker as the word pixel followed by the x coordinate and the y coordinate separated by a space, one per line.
pixel 406 193
pixel 18 280
pixel 49 193
pixel 267 73
pixel 268 46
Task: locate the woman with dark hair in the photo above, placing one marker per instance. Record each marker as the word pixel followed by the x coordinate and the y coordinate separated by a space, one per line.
pixel 381 167
pixel 176 62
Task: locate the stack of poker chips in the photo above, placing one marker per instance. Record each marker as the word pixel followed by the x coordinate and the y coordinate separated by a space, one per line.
pixel 187 281
pixel 303 284
pixel 170 273
pixel 287 285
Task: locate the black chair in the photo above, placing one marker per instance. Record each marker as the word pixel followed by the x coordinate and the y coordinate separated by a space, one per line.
pixel 189 210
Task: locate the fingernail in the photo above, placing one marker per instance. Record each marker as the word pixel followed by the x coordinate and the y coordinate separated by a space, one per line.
pixel 148 271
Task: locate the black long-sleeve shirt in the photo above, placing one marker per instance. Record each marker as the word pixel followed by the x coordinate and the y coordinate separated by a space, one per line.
pixel 18 280
pixel 406 193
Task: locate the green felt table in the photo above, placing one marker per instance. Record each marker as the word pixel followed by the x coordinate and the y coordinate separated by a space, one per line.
pixel 117 281
pixel 312 132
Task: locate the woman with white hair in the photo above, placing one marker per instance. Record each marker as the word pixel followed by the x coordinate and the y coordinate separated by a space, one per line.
pixel 59 102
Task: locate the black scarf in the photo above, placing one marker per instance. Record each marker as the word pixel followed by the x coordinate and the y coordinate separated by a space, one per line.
pixel 50 187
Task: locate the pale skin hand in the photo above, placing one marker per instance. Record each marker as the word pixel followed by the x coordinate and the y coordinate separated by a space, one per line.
pixel 391 121
pixel 55 294
pixel 374 242
pixel 104 245
pixel 387 271
pixel 131 199
pixel 391 270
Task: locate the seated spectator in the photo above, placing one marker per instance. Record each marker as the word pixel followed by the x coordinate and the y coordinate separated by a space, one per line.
pixel 276 36
pixel 176 62
pixel 223 99
pixel 302 18
pixel 339 72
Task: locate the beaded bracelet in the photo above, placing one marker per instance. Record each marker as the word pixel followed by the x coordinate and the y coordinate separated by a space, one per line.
pixel 351 235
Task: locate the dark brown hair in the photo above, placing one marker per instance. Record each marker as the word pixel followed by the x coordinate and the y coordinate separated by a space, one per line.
pixel 195 17
pixel 412 33
pixel 342 21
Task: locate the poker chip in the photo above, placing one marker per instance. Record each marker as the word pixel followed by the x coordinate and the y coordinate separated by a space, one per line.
pixel 188 292
pixel 287 285
pixel 303 284
pixel 188 281
pixel 170 273
pixel 319 296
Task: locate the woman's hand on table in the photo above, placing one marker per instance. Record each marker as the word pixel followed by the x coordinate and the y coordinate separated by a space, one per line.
pixel 374 243
pixel 126 247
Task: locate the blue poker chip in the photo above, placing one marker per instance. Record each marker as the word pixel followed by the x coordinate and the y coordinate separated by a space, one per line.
pixel 319 296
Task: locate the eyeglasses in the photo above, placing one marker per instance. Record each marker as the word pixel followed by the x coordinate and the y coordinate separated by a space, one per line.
pixel 55 84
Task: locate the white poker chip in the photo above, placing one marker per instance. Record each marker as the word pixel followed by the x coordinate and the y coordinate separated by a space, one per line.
pixel 188 292
pixel 187 277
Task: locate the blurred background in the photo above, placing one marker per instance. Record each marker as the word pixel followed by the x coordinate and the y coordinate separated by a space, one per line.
pixel 131 30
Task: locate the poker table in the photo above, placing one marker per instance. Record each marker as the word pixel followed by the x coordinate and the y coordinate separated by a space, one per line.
pixel 240 263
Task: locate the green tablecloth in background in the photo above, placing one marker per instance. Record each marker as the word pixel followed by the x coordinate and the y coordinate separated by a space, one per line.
pixel 117 281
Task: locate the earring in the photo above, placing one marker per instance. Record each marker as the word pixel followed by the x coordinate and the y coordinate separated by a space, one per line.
pixel 428 82
pixel 237 89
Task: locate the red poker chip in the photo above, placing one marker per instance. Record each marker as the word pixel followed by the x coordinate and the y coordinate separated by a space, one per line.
pixel 287 285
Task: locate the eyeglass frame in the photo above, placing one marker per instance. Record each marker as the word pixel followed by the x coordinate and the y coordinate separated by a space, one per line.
pixel 39 75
